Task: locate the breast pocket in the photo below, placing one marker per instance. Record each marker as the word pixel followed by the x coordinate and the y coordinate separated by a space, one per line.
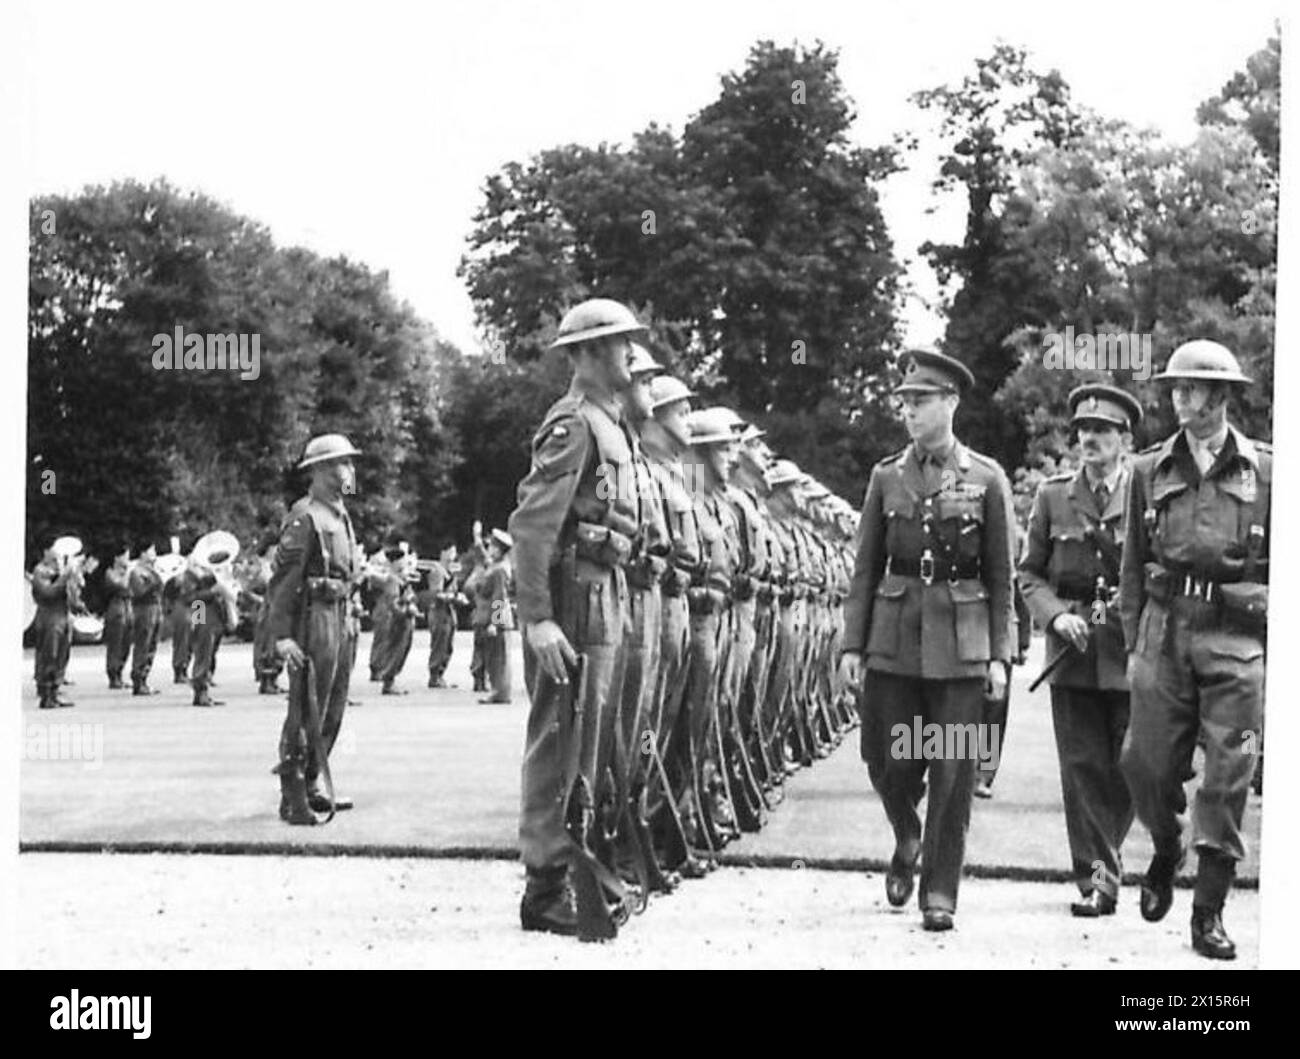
pixel 1174 511
pixel 901 532
pixel 886 618
pixel 963 521
pixel 970 608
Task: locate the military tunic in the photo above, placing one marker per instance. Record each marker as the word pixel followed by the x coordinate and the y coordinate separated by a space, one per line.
pixel 930 606
pixel 1194 597
pixel 316 563
pixel 572 540
pixel 1065 571
pixel 117 620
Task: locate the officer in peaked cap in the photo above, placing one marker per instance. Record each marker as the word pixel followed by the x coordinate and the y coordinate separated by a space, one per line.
pixel 1070 578
pixel 929 618
pixel 1194 596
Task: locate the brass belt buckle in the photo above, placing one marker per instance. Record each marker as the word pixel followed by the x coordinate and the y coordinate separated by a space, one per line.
pixel 927 567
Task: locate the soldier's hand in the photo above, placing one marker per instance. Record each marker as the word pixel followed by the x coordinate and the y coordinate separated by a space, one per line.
pixel 289 650
pixel 851 670
pixel 553 650
pixel 996 685
pixel 1072 629
pixel 491 630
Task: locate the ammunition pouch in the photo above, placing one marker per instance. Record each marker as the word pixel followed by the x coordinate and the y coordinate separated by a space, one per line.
pixel 327 589
pixel 1245 606
pixel 645 571
pixel 601 545
pixel 703 600
pixel 675 581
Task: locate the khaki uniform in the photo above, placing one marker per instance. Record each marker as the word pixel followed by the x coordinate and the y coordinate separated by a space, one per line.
pixel 929 607
pixel 1194 598
pixel 571 543
pixel 146 619
pixel 117 620
pixel 441 613
pixel 50 591
pixel 1064 571
pixel 316 562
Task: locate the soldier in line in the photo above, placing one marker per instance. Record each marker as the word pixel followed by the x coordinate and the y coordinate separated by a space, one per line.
pixel 789 578
pixel 1194 596
pixel 182 630
pixel 664 436
pixel 50 590
pixel 930 608
pixel 317 563
pixel 117 617
pixel 572 542
pixel 489 586
pixel 627 813
pixel 146 588
pixel 1070 572
pixel 441 612
pixel 711 811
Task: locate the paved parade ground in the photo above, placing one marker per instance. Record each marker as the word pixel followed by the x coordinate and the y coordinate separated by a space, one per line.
pixel 435 777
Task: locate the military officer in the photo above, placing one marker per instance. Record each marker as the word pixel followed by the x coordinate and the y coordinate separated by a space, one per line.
pixel 573 539
pixel 930 608
pixel 398 630
pixel 1070 578
pixel 316 563
pixel 117 617
pixel 1194 596
pixel 146 587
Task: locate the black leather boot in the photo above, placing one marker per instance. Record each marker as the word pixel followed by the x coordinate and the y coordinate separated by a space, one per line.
pixel 1208 936
pixel 548 903
pixel 293 794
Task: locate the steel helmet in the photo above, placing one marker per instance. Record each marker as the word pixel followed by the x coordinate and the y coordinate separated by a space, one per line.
pixel 641 362
pixel 712 426
pixel 665 390
pixel 596 318
pixel 784 472
pixel 1203 359
pixel 326 447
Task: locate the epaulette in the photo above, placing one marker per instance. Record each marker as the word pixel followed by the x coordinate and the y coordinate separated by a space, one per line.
pixel 1150 448
pixel 1263 446
pixel 988 461
pixel 896 456
pixel 1060 476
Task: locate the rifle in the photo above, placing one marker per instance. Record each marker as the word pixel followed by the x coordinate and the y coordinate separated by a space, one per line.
pixel 593 883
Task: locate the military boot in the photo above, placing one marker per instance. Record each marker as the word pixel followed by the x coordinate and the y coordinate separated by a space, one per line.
pixel 202 698
pixel 140 687
pixel 548 903
pixel 1157 892
pixel 319 800
pixel 115 682
pixel 179 677
pixel 1208 936
pixel 293 794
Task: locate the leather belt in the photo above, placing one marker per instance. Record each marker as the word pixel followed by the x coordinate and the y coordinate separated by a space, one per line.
pixel 929 569
pixel 328 589
pixel 1079 594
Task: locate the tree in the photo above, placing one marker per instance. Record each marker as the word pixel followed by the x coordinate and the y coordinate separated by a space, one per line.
pixel 137 451
pixel 754 245
pixel 993 121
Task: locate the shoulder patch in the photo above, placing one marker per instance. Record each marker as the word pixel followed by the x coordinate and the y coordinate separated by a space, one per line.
pixel 1060 476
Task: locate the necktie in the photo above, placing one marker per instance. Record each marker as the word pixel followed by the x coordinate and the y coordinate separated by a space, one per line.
pixel 1103 496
